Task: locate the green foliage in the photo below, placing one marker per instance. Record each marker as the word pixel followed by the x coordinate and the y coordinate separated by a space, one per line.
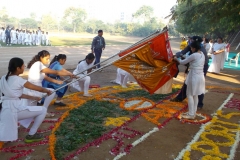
pixel 29 23
pixel 75 16
pixel 217 17
pixel 85 124
pixel 144 12
pixel 145 94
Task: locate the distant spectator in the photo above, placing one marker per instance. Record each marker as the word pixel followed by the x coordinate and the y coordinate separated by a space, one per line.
pixel 98 45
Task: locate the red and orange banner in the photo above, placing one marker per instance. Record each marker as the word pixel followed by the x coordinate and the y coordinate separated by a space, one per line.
pixel 150 71
pixel 160 46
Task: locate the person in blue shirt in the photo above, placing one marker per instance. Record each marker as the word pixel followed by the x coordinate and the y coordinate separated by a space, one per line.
pixel 56 64
pixel 8 36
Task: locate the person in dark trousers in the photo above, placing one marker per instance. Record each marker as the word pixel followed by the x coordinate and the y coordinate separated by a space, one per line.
pixel 182 95
pixel 8 36
pixel 98 45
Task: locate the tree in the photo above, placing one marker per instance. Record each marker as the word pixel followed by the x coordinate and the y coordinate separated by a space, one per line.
pixel 48 21
pixel 33 15
pixel 75 16
pixel 203 16
pixel 144 12
pixel 29 23
pixel 3 14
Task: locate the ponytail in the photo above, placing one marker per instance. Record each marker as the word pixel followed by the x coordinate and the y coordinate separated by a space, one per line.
pixel 53 60
pixel 37 57
pixel 90 56
pixel 7 75
pixel 58 57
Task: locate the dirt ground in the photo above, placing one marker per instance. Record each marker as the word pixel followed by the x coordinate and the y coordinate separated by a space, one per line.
pixel 168 141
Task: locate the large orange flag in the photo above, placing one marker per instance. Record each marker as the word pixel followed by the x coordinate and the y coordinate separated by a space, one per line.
pixel 159 44
pixel 150 73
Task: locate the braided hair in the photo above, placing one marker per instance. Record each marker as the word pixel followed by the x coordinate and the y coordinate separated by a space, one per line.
pixel 37 57
pixel 57 58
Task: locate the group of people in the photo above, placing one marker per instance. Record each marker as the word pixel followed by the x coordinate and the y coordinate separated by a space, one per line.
pixel 25 37
pixel 22 100
pixel 195 56
pixel 218 51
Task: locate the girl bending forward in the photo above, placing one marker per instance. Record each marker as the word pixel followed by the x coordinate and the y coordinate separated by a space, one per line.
pixel 13 109
pixel 86 66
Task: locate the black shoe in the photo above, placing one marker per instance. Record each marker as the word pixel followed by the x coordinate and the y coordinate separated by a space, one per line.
pixel 175 100
pixel 33 138
pixel 59 104
pixel 39 104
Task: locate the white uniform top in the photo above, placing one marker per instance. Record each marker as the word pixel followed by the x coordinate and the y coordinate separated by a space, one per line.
pixel 47 36
pixel 43 37
pixel 195 80
pixel 14 34
pixel 3 34
pixel 35 75
pixel 12 89
pixel 39 33
pixel 33 36
pixel 23 36
pixel 82 66
pixel 20 35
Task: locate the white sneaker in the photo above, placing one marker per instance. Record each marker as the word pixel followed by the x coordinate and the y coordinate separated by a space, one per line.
pixel 188 116
pixel 87 95
pixel 123 86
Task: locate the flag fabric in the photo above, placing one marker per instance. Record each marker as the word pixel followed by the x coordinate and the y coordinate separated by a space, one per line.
pixel 150 70
pixel 160 47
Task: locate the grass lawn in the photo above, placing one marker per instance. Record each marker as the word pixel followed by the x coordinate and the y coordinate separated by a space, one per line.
pixel 72 41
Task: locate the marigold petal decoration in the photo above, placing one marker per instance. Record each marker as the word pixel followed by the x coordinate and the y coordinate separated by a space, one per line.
pixel 136 103
pixel 116 121
pixel 204 118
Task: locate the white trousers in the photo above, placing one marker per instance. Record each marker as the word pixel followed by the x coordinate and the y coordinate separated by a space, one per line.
pixel 38 116
pixel 19 41
pixel 47 42
pixel 122 77
pixel 43 42
pixel 192 104
pixel 28 43
pixel 82 84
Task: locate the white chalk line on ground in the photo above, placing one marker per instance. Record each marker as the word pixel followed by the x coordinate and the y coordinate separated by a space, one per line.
pixel 145 136
pixel 202 129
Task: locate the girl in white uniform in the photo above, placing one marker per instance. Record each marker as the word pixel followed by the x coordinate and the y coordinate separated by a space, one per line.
pixel 13 36
pixel 39 34
pixel 218 57
pixel 3 35
pixel 19 36
pixel 23 37
pixel 83 84
pixel 43 38
pixel 195 80
pixel 37 71
pixel 33 38
pixel 47 39
pixel 122 77
pixel 13 110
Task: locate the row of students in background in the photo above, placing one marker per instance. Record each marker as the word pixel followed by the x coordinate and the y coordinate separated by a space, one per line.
pixel 12 36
